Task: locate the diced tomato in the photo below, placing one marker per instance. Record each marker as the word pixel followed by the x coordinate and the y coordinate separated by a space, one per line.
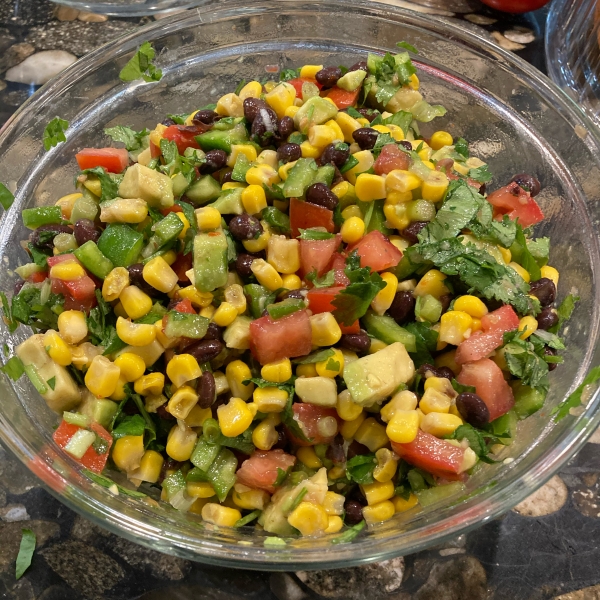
pixel 320 299
pixel 376 251
pixel 82 305
pixel 514 201
pixel 275 339
pixel 304 215
pixel 354 328
pixel 114 160
pixel 185 306
pixel 81 289
pixel 297 83
pixel 261 470
pixel 482 343
pixel 183 135
pixel 342 98
pixel 316 254
pixel 38 277
pixel 390 158
pixel 182 264
pixel 154 150
pixel 487 378
pixel 338 264
pixel 432 454
pixel 175 208
pixel 91 459
pixel 308 417
pixel 55 260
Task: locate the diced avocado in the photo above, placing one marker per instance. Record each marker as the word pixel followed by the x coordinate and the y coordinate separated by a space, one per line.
pixel 149 353
pixel 229 202
pixel 149 185
pixel 204 190
pixel 180 184
pixel 528 400
pixel 300 176
pixel 428 308
pixel 222 140
pixel 315 111
pixel 99 410
pixel 387 330
pixel 351 80
pixel 28 269
pixel 373 378
pixel 505 427
pixel 65 395
pixel 237 335
pixel 210 261
pixel 321 391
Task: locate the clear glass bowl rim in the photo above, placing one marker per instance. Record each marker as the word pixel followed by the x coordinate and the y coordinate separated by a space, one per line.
pixel 472 513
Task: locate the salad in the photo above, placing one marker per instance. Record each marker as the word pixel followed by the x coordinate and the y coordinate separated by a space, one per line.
pixel 295 309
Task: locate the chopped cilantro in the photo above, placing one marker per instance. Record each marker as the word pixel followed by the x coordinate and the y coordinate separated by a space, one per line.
pixel 525 361
pixel 479 441
pixel 360 468
pixel 109 186
pixel 314 234
pixel 247 519
pixel 298 498
pixel 407 46
pixel 140 66
pixel 14 368
pixel 332 365
pixel 133 140
pixel 383 139
pixel 287 74
pixel 527 261
pixel 480 174
pixel 462 147
pixel 315 357
pixel 6 197
pixel 564 311
pixel 349 534
pixel 326 280
pixel 425 340
pixel 54 133
pixel 51 382
pixel 26 550
pixel 574 399
pixel 108 483
pixel 130 425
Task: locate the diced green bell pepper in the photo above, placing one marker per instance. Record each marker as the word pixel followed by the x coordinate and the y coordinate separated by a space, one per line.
pixel 384 328
pixel 258 298
pixel 188 325
pixel 121 244
pixel 223 140
pixel 221 473
pixel 204 455
pixel 241 167
pixel 285 307
pixel 210 261
pixel 41 215
pixel 428 308
pixel 165 230
pixel 93 260
pixel 528 400
pixel 439 493
pixel 325 174
pixel 276 219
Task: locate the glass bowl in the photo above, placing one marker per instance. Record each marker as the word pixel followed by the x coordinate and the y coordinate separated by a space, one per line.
pixel 514 118
pixel 134 8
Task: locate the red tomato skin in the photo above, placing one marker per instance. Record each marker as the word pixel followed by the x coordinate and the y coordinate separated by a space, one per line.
pixel 317 254
pixel 390 158
pixel 513 201
pixel 182 264
pixel 275 339
pixel 338 264
pixel 516 6
pixel 309 415
pixel 82 305
pixel 154 150
pixel 376 251
pixel 482 343
pixel 304 215
pixel 38 277
pixel 320 299
pixel 55 260
pixel 114 160
pixel 184 136
pixel 487 378
pixel 185 306
pixel 175 208
pixel 432 454
pixel 342 98
pixel 260 470
pixel 91 460
pixel 297 83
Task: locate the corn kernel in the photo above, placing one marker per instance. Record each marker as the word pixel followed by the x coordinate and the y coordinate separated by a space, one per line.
pixel 234 417
pixel 281 97
pixel 270 399
pixel 349 428
pixel 386 465
pixel 384 298
pixel 440 424
pixel 159 275
pixel 378 512
pixel 171 256
pixel 527 325
pixel 402 505
pixel 253 89
pixel 72 326
pixel 471 305
pixel 378 492
pixel 339 134
pixel 365 161
pixel 135 334
pixel 292 282
pixel 135 302
pixel 370 187
pixel 434 187
pixel 394 197
pixel 102 376
pixel 440 139
pixel 208 218
pixel 307 456
pixel 348 125
pixel 132 367
pixel 127 452
pixel 234 295
pixel 432 283
pixel 120 392
pixel 310 71
pixel 455 327
pixel 268 157
pixel 306 370
pixel 435 401
pixel 277 372
pixel 251 500
pixel 237 372
pixel 181 442
pixel 265 436
pixel 396 132
pixel 333 503
pixel 195 296
pixel 57 349
pixel 520 271
pixel 404 400
pixel 66 204
pixel 372 435
pixel 230 105
pixel 238 149
pixel 309 151
pixel 325 329
pixel 151 384
pixel 460 168
pixel 254 199
pixel 403 426
pixel 550 273
pixel 399 180
pixel 150 467
pixel 207 312
pixel 396 215
pixel 320 136
pixel 310 519
pixel 197 416
pixel 200 489
pixel 335 524
pixel 414 82
pixel 183 368
pixel 353 229
pixel 225 314
pixel 223 516
pixel 67 271
pixel 346 408
pixel 266 274
pixel 332 366
pixel 182 402
pixel 283 254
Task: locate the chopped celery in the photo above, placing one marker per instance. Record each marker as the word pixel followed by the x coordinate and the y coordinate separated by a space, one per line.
pixel 78 445
pixel 74 418
pixel 34 377
pixel 203 456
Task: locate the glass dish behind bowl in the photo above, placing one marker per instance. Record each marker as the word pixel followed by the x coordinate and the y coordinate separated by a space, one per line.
pixel 514 118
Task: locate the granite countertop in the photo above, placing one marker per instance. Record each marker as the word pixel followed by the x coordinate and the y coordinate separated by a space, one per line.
pixel 546 548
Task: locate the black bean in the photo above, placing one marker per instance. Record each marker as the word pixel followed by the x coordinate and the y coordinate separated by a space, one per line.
pixel 428 370
pixel 243 262
pixel 412 231
pixel 337 177
pixel 226 177
pixel 205 350
pixel 335 450
pixel 365 137
pixel 169 465
pixel 163 413
pixel 356 448
pixel 368 113
pixel 215 160
pixel 408 146
pixel 444 164
pixel 473 409
pixel 207 116
pixel 335 155
pixel 282 441
pixel 328 76
pixel 252 106
pixel 403 307
pixel 547 318
pixel 361 65
pixel 544 290
pixel 528 182
pixel 551 352
pixel 356 342
pixel 321 195
pixel 264 126
pixel 289 152
pixel 85 230
pixel 207 393
pixel 50 232
pixel 286 127
pixel 18 286
pixel 167 122
pixel 445 300
pixel 245 227
pixel 213 332
pixel 297 294
pixel 353 512
pixel 136 278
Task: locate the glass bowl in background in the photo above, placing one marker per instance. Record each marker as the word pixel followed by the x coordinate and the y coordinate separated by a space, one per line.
pixel 514 118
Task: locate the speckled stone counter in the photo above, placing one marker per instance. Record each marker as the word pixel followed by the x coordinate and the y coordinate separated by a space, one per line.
pixel 546 548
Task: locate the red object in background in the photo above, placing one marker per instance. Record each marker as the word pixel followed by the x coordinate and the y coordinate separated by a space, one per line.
pixel 515 6
pixel 114 160
pixel 261 470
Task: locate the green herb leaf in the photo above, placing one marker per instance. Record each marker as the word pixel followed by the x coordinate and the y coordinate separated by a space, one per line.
pixel 51 382
pixel 314 234
pixel 108 185
pixel 287 74
pixel 106 482
pixel 54 133
pixel 276 219
pixel 349 534
pixel 298 499
pixel 130 425
pixel 26 550
pixel 360 468
pixel 462 147
pixel 133 140
pixel 564 311
pixel 6 197
pixel 247 519
pixel 349 164
pixel 524 363
pixel 281 477
pixel 480 174
pixel 383 139
pixel 326 280
pixel 459 388
pixel 476 439
pixel 407 46
pixel 574 399
pixel 402 119
pixel 425 340
pixel 527 261
pixel 8 318
pixel 140 66
pixel 14 368
pixel 332 365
